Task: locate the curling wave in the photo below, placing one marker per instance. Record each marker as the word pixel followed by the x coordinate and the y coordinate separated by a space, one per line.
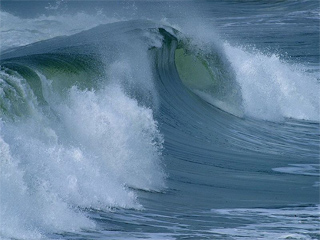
pixel 100 119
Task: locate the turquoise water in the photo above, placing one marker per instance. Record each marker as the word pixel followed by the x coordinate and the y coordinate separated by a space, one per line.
pixel 166 120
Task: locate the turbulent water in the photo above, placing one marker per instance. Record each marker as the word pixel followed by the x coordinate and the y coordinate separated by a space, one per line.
pixel 159 120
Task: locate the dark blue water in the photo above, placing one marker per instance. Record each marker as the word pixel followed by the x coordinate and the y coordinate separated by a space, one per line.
pixel 159 120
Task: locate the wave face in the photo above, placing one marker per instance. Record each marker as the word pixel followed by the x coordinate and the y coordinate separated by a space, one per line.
pixel 132 125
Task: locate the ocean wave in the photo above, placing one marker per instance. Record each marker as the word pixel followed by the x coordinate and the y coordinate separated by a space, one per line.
pixel 87 120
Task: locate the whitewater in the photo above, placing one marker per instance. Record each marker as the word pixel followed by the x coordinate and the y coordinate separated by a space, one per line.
pixel 159 120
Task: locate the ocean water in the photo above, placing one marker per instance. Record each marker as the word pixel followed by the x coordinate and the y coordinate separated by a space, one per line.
pixel 159 120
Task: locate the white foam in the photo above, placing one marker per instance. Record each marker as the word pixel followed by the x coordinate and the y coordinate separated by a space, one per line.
pixel 100 144
pixel 273 89
pixel 28 205
pixel 88 153
pixel 119 132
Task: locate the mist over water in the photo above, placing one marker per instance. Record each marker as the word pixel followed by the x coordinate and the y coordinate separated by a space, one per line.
pixel 163 120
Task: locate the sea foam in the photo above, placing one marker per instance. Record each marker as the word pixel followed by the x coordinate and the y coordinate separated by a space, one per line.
pixel 273 89
pixel 98 145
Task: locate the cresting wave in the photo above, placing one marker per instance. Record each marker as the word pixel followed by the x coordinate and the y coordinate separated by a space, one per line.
pixel 80 119
pixel 72 138
pixel 229 77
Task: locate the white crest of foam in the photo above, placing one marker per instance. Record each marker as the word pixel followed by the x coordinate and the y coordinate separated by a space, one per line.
pixel 100 143
pixel 29 207
pixel 273 89
pixel 118 132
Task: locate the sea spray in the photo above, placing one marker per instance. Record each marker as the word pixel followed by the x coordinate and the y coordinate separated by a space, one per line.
pixel 273 89
pixel 98 144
